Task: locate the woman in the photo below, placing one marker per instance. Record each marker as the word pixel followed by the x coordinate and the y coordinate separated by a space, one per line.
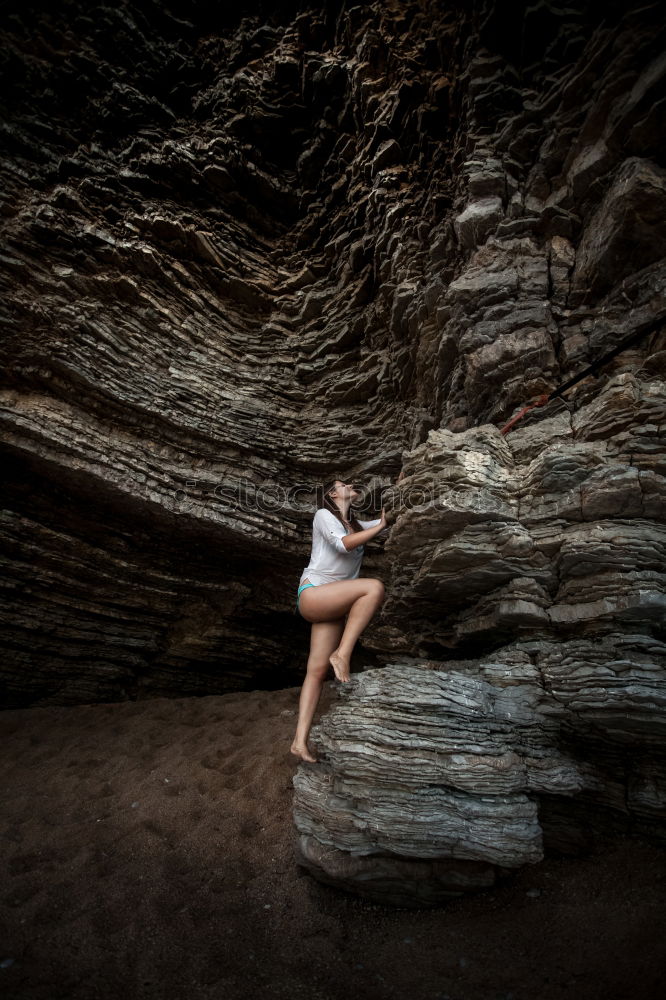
pixel 330 589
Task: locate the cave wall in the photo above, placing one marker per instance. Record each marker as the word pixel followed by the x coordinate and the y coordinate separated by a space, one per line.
pixel 189 292
pixel 521 706
pixel 244 249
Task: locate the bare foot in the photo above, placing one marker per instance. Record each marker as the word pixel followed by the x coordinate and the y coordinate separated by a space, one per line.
pixel 340 666
pixel 303 753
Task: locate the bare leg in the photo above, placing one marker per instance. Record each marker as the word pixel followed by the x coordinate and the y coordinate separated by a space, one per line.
pixel 324 637
pixel 358 598
pixel 359 616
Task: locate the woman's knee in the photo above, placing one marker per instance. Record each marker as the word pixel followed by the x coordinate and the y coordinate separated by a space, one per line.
pixel 378 588
pixel 317 669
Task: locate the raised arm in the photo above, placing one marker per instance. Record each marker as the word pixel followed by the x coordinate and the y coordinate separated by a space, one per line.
pixel 361 537
pixel 328 525
pixel 383 526
pixel 334 531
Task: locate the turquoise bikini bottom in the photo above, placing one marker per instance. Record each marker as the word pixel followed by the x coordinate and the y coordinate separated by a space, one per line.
pixel 302 587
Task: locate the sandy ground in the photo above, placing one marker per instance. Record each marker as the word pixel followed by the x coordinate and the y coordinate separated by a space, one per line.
pixel 148 851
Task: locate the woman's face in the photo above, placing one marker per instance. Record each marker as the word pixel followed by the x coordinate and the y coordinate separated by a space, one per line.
pixel 344 491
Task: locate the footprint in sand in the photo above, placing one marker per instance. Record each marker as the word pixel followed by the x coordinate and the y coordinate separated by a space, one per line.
pixel 152 827
pixel 209 763
pixel 234 781
pixel 173 788
pixel 250 828
pixel 230 766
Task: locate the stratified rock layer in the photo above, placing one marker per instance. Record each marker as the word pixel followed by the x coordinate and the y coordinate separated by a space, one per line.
pixel 243 251
pixel 526 571
pixel 440 778
pixel 552 536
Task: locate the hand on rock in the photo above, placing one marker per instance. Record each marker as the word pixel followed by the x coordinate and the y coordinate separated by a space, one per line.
pixel 388 517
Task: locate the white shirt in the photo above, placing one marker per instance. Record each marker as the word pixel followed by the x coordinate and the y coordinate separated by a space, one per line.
pixel 329 560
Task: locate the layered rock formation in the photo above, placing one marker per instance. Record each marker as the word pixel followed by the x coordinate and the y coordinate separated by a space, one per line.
pixel 244 250
pixel 526 571
pixel 440 776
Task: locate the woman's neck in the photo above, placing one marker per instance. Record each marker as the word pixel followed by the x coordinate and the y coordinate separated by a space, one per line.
pixel 344 510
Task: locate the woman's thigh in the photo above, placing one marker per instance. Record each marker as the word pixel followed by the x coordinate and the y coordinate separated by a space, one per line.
pixel 330 601
pixel 324 638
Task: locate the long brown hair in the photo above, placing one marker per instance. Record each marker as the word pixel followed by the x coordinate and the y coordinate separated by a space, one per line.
pixel 328 503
